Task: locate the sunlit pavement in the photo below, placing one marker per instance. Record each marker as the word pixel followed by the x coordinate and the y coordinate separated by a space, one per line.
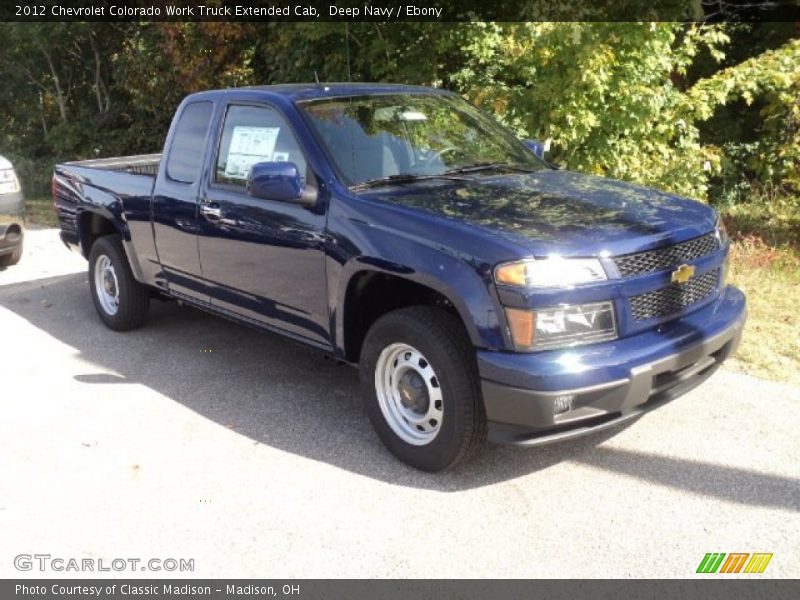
pixel 196 438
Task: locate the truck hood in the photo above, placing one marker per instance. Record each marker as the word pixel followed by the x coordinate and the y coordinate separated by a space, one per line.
pixel 562 212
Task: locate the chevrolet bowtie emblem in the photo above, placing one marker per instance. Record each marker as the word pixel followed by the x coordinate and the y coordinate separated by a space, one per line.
pixel 682 274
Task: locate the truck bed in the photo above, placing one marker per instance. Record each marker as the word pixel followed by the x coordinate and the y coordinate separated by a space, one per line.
pixel 119 187
pixel 140 164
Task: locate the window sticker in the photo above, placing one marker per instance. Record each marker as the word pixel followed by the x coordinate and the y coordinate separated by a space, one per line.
pixel 249 145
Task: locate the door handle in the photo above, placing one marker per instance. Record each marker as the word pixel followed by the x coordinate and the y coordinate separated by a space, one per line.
pixel 212 212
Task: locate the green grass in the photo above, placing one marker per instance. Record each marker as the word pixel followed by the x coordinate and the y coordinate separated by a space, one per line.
pixel 39 213
pixel 771 344
pixel 765 264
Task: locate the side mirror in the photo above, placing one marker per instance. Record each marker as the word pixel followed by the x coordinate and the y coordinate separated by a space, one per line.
pixel 535 146
pixel 279 181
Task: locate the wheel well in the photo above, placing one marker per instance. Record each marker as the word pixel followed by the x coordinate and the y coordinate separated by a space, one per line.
pixel 92 226
pixel 370 295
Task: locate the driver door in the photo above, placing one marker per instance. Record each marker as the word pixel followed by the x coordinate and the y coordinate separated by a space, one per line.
pixel 263 259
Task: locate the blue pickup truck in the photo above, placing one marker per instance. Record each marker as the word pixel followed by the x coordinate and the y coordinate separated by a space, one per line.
pixel 482 293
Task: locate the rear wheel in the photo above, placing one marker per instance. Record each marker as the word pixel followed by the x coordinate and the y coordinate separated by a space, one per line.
pixel 421 389
pixel 120 300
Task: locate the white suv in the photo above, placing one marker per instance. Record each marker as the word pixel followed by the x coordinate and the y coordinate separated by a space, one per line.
pixel 12 215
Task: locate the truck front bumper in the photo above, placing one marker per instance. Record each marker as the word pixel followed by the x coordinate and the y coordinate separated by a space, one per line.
pixel 543 397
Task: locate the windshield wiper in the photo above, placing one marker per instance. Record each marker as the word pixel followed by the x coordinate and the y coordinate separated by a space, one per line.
pixel 403 178
pixel 489 166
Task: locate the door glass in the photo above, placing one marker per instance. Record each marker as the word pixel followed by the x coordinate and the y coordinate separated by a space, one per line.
pixel 254 134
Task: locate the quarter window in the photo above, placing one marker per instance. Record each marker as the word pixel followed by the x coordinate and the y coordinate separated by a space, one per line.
pixel 191 135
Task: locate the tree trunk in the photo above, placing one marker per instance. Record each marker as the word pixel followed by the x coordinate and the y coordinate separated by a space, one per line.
pixel 99 86
pixel 62 103
pixel 41 113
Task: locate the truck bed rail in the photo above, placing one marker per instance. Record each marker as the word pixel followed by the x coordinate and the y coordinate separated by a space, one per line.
pixel 141 164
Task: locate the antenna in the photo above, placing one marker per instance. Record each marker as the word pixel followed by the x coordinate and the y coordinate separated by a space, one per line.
pixel 347 48
pixel 319 85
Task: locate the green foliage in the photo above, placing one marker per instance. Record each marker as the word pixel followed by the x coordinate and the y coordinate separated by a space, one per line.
pixel 603 96
pixel 772 79
pixel 614 98
pixel 702 110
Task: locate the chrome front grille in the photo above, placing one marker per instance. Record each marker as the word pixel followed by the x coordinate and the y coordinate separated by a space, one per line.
pixel 673 298
pixel 667 257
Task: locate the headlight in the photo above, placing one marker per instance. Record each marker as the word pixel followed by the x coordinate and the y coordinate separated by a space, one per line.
pixel 8 181
pixel 550 272
pixel 560 326
pixel 720 231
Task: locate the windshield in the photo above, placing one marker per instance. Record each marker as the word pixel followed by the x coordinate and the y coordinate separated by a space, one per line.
pixel 376 137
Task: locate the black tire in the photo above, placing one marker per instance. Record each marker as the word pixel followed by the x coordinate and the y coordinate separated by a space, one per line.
pixel 440 337
pixel 134 298
pixel 9 260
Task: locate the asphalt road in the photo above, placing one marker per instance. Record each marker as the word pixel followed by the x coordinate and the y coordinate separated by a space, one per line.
pixel 196 438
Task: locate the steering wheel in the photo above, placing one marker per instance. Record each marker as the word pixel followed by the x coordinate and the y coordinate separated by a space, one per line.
pixel 434 155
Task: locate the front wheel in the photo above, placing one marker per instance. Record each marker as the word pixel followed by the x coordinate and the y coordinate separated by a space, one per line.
pixel 421 389
pixel 120 300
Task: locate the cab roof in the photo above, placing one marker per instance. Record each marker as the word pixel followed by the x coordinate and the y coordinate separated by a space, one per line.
pixel 312 91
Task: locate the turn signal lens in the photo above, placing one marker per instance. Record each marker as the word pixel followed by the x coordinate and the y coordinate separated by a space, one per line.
pixel 520 322
pixel 512 274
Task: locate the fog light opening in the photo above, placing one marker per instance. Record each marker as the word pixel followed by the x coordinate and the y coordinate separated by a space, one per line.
pixel 563 403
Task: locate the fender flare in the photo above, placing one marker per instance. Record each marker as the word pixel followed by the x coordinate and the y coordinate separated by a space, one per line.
pixel 114 214
pixel 479 315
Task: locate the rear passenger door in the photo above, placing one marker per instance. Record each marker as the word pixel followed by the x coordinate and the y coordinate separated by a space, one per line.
pixel 175 216
pixel 263 259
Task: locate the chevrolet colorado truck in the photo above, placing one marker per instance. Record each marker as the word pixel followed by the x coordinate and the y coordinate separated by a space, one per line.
pixel 482 293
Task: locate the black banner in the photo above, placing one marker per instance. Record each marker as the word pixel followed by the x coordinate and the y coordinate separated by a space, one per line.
pixel 314 589
pixel 400 10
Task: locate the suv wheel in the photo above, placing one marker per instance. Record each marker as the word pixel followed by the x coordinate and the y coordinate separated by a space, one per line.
pixel 13 258
pixel 421 389
pixel 120 300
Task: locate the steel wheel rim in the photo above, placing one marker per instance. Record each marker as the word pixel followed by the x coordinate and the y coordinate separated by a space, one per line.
pixel 106 285
pixel 403 378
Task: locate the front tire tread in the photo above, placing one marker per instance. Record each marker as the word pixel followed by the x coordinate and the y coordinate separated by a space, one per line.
pixel 440 336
